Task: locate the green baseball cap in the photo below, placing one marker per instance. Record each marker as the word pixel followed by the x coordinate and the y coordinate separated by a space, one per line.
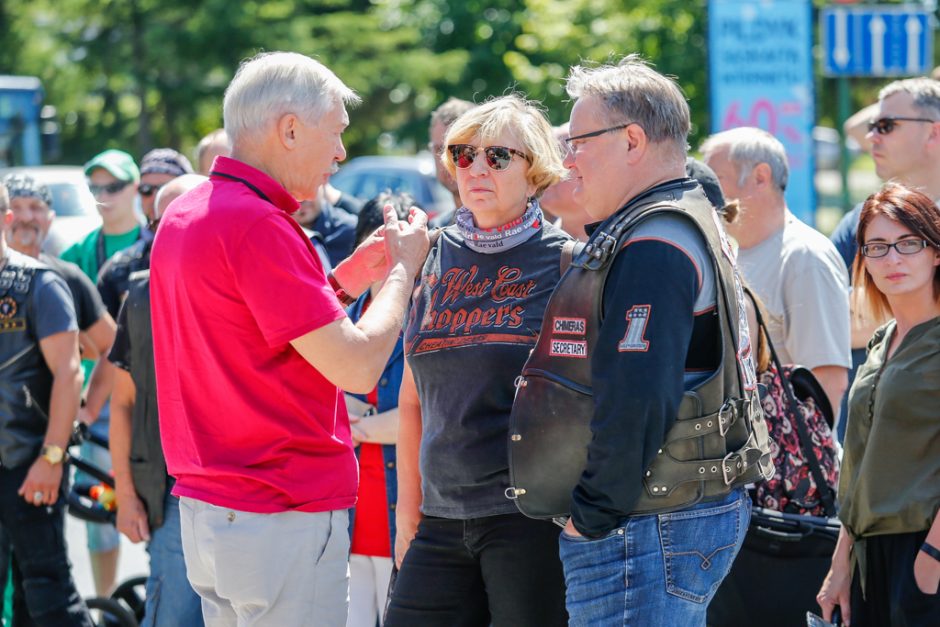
pixel 117 162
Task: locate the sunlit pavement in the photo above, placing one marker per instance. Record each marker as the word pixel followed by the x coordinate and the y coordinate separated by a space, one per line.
pixel 133 562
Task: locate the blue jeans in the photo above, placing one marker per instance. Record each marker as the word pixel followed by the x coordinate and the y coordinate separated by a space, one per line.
pixel 661 569
pixel 171 600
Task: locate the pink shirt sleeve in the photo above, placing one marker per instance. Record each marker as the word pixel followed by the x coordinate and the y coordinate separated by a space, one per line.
pixel 282 281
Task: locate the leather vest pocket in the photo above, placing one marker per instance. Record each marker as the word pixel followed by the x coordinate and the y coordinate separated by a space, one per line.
pixel 549 433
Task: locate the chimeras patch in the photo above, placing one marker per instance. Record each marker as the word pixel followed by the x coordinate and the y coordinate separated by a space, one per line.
pixel 568 326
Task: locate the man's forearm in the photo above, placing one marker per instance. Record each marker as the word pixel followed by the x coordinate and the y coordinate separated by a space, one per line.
pixel 382 321
pixel 63 404
pixel 119 434
pixel 834 380
pixel 99 387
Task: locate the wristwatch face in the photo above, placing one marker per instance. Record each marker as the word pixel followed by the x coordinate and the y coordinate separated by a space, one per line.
pixel 52 454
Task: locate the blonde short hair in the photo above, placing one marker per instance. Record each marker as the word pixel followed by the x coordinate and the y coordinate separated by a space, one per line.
pixel 524 120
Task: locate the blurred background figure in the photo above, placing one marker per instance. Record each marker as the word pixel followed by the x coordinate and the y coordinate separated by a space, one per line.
pixel 374 420
pixel 157 168
pixel 329 227
pixel 113 178
pixel 441 119
pixel 558 200
pixel 211 146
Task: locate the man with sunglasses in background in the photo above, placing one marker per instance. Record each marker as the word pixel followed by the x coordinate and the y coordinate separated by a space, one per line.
pixel 113 178
pixel 158 167
pixel 904 133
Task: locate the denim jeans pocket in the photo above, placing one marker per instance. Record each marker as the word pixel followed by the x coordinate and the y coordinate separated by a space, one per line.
pixel 699 546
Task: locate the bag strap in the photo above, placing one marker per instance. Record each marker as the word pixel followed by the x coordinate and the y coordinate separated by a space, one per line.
pixel 825 490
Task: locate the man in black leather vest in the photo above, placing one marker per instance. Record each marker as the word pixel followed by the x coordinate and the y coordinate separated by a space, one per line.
pixel 643 361
pixel 148 512
pixel 40 384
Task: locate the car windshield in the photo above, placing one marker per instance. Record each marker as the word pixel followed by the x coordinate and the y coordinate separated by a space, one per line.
pixel 71 199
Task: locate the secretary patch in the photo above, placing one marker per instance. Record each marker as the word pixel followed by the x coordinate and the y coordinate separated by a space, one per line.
pixel 568 348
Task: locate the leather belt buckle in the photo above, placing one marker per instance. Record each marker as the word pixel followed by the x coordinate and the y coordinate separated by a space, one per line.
pixel 726 468
pixel 726 417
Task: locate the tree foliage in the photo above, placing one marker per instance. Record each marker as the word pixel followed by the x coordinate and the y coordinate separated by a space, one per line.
pixel 141 73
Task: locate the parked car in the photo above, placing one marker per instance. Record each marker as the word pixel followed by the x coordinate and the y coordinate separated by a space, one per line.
pixel 366 177
pixel 74 206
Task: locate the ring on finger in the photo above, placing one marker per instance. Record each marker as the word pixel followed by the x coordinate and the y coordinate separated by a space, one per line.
pixel 37 496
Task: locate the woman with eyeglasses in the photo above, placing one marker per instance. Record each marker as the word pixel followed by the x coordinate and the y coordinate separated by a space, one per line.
pixel 886 565
pixel 465 553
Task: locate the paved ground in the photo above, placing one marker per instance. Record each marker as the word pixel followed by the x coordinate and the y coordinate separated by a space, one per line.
pixel 134 560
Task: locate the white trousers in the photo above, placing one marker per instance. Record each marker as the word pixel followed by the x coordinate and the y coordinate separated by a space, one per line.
pixel 368 589
pixel 266 570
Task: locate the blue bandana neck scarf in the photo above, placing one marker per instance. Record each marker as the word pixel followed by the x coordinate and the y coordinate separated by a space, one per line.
pixel 489 241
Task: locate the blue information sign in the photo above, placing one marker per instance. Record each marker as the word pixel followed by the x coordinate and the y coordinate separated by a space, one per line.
pixel 876 41
pixel 761 74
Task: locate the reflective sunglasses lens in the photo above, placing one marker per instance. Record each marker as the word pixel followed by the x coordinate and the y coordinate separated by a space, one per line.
pixel 498 157
pixel 462 155
pixel 147 190
pixel 883 126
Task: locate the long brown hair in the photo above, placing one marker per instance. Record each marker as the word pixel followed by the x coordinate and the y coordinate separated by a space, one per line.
pixel 914 210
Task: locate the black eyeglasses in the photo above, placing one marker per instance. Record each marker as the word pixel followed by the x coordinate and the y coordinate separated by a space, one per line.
pixel 570 140
pixel 110 188
pixel 905 247
pixel 497 157
pixel 146 189
pixel 885 125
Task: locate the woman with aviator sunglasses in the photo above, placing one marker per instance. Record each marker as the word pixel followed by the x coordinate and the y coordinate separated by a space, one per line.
pixel 886 565
pixel 465 553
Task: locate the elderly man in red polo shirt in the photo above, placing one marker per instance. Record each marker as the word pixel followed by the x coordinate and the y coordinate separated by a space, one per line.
pixel 253 349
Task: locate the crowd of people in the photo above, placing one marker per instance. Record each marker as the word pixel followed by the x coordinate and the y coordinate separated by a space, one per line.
pixel 542 408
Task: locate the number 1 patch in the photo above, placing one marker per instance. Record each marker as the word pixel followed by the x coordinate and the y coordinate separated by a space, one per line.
pixel 633 341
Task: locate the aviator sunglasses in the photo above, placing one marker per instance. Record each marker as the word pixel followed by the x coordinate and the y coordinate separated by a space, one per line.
pixel 885 125
pixel 110 188
pixel 497 157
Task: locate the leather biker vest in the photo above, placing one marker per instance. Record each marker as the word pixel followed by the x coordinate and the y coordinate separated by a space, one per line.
pixel 148 465
pixel 25 380
pixel 719 440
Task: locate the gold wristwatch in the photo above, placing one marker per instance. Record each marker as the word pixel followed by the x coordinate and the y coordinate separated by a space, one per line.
pixel 52 454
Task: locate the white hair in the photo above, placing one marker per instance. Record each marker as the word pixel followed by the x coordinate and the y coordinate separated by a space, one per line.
pixel 272 84
pixel 749 146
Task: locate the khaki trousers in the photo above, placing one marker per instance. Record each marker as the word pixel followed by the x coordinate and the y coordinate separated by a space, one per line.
pixel 258 570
